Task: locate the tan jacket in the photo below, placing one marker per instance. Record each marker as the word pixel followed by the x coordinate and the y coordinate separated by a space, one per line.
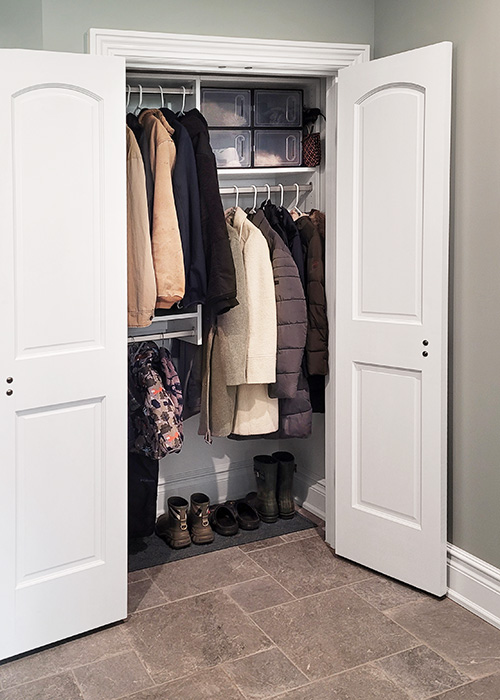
pixel 141 275
pixel 166 240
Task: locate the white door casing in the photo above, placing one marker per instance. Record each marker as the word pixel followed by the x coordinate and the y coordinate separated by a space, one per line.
pixel 63 308
pixel 391 314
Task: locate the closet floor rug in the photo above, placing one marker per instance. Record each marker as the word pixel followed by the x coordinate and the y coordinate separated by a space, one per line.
pixel 146 552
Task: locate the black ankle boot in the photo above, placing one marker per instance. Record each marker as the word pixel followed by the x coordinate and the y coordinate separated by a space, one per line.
pixel 286 469
pixel 172 526
pixel 266 474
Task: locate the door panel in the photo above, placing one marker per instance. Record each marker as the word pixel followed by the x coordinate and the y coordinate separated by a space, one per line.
pixel 391 315
pixel 63 353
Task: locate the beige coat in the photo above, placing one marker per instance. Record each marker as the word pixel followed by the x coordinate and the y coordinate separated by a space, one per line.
pixel 256 413
pixel 141 274
pixel 166 240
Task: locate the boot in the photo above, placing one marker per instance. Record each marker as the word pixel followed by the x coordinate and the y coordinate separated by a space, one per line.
pixel 266 474
pixel 286 468
pixel 172 525
pixel 199 527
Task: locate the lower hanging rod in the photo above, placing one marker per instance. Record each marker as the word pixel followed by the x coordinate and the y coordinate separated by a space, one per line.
pixel 162 336
pixel 265 189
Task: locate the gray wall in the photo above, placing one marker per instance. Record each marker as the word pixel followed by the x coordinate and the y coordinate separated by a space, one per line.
pixel 63 23
pixel 475 400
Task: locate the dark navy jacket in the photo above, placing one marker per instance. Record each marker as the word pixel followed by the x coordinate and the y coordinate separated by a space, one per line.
pixel 187 205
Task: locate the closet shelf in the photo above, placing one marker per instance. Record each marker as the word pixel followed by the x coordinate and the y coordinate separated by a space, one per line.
pixel 186 326
pixel 249 173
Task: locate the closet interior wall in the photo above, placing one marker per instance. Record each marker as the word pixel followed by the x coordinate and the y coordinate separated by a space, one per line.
pixel 225 468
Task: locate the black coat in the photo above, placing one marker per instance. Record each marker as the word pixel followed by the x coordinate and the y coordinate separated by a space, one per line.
pixel 187 205
pixel 221 279
pixel 284 225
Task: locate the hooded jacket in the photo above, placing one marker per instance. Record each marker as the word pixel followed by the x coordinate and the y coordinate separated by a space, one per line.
pixel 317 330
pixel 187 205
pixel 165 237
pixel 221 280
pixel 141 283
pixel 142 139
pixel 290 310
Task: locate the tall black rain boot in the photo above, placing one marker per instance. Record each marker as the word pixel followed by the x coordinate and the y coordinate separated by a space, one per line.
pixel 266 474
pixel 286 469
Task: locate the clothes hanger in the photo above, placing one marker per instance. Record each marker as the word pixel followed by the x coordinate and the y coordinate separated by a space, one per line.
pixel 295 206
pixel 182 113
pixel 129 90
pixel 139 106
pixel 268 200
pixel 253 210
pixel 161 93
pixel 237 196
pixel 282 194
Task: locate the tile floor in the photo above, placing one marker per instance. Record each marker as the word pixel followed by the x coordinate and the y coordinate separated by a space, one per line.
pixel 281 618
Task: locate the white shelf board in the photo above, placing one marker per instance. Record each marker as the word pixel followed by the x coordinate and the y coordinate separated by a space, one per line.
pixel 247 173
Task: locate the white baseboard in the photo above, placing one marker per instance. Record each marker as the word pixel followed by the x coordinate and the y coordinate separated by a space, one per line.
pixel 474 584
pixel 310 493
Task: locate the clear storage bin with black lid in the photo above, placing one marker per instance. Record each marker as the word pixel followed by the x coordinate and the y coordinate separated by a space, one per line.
pixel 226 107
pixel 277 148
pixel 278 108
pixel 232 148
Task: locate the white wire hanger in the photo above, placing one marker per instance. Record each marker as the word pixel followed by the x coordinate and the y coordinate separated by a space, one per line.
pixel 182 112
pixel 162 98
pixel 253 210
pixel 237 196
pixel 282 195
pixel 129 89
pixel 139 106
pixel 295 206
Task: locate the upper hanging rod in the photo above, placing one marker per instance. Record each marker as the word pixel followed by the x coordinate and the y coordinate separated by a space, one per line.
pixel 265 189
pixel 157 90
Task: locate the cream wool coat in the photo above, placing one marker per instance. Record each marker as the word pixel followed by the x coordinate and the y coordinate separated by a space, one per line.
pixel 168 259
pixel 141 286
pixel 256 413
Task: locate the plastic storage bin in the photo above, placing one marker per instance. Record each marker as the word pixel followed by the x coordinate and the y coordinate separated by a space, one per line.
pixel 226 107
pixel 232 148
pixel 277 148
pixel 278 108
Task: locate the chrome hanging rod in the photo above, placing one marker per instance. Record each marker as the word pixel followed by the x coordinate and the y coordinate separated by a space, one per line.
pixel 265 189
pixel 152 90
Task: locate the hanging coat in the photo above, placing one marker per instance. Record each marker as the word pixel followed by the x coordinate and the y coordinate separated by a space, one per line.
pixel 165 237
pixel 317 330
pixel 142 139
pixel 290 309
pixel 221 280
pixel 187 206
pixel 256 412
pixel 155 403
pixel 141 283
pixel 282 222
pixel 226 364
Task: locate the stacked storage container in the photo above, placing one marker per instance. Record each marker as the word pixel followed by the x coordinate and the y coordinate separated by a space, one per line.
pixel 272 138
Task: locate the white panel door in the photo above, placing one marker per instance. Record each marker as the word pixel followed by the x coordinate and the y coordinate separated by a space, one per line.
pixel 63 350
pixel 391 321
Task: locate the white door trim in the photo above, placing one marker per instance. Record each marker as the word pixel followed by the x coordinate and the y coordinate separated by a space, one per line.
pixel 194 52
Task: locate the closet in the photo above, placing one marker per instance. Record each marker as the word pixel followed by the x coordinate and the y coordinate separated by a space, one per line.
pixel 377 456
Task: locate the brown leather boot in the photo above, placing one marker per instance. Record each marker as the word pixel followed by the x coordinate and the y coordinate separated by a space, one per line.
pixel 172 526
pixel 199 526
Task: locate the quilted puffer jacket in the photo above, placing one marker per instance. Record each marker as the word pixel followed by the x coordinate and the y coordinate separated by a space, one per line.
pixel 155 402
pixel 291 312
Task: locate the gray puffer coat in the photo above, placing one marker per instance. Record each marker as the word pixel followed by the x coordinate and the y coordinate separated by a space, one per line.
pixel 291 312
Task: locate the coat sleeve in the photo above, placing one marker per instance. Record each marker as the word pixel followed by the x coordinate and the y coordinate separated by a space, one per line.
pixel 141 287
pixel 166 240
pixel 317 333
pixel 262 337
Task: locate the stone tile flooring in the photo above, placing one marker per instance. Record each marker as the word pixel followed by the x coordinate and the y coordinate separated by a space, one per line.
pixel 281 618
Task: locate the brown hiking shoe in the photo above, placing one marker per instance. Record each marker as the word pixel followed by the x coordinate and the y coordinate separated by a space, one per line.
pixel 199 526
pixel 172 526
